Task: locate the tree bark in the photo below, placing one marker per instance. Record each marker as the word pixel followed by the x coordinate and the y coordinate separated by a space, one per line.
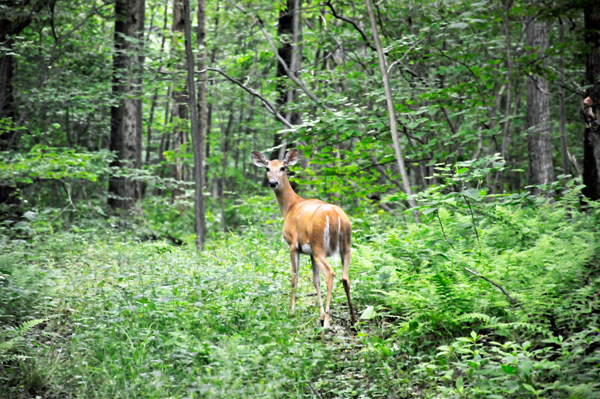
pixel 180 107
pixel 541 170
pixel 155 95
pixel 7 110
pixel 225 150
pixel 295 66
pixel 564 152
pixel 196 142
pixel 591 144
pixel 9 27
pixel 392 113
pixel 125 138
pixel 285 32
pixel 200 138
pixel 509 78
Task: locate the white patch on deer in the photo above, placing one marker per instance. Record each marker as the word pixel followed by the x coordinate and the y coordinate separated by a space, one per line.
pixel 306 249
pixel 326 235
pixel 339 243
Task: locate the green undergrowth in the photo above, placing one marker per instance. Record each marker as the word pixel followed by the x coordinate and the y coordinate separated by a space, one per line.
pixel 127 318
pixel 103 311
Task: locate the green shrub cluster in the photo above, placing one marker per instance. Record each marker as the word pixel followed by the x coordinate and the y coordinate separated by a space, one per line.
pixel 487 297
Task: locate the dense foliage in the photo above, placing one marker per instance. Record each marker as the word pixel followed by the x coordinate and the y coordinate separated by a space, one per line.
pixel 493 293
pixel 97 311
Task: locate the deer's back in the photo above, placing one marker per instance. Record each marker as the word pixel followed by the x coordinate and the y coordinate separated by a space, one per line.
pixel 316 227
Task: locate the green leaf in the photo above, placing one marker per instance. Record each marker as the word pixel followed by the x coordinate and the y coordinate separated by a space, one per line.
pixel 471 193
pixel 508 369
pixel 368 313
pixel 427 211
pixel 530 388
pixel 460 383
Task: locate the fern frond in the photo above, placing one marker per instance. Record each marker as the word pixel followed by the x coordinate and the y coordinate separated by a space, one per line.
pixel 12 343
pixel 443 289
pixel 28 325
pixel 475 316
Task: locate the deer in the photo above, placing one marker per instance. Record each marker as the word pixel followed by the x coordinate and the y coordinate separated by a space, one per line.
pixel 310 227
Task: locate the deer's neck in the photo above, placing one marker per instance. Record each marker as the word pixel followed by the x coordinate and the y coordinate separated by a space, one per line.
pixel 286 197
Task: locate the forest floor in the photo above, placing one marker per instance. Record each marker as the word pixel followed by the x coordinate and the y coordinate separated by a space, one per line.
pixel 100 311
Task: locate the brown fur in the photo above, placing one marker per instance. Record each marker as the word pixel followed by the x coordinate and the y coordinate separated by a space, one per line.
pixel 305 223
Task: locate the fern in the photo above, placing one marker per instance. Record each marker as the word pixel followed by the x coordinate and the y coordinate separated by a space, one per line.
pixel 12 344
pixel 475 316
pixel 443 289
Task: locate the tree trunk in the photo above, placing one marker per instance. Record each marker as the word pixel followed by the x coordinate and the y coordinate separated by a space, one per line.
pixel 225 150
pixel 541 170
pixel 196 137
pixel 285 33
pixel 391 112
pixel 509 78
pixel 11 25
pixel 213 55
pixel 240 141
pixel 7 111
pixel 200 149
pixel 125 127
pixel 564 152
pixel 247 134
pixel 155 95
pixel 180 106
pixel 591 144
pixel 295 66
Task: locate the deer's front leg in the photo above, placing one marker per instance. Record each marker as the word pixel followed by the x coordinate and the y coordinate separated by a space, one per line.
pixel 295 258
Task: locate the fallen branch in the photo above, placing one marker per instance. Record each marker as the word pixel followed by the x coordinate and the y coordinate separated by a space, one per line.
pixel 510 298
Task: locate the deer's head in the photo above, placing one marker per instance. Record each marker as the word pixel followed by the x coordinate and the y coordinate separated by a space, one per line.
pixel 276 169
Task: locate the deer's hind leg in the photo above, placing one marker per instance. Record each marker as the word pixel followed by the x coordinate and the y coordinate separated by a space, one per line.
pixel 326 269
pixel 346 281
pixel 317 283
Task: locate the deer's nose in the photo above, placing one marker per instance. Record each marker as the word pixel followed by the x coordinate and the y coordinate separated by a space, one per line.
pixel 273 184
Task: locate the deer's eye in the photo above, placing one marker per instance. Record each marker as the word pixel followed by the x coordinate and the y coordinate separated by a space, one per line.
pixel 268 169
pixel 282 169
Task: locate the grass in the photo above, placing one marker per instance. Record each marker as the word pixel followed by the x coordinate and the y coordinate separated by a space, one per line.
pixel 122 317
pixel 146 319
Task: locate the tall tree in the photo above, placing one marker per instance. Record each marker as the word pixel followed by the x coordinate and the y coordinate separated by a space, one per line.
pixel 199 208
pixel 539 128
pixel 155 95
pixel 285 32
pixel 15 16
pixel 12 22
pixel 562 111
pixel 125 128
pixel 391 111
pixel 295 65
pixel 180 111
pixel 591 146
pixel 225 150
pixel 199 139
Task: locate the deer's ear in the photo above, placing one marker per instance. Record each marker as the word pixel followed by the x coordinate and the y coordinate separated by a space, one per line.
pixel 291 157
pixel 259 159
